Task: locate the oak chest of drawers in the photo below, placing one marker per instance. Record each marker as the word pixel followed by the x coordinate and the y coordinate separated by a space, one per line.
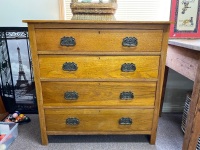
pixel 96 77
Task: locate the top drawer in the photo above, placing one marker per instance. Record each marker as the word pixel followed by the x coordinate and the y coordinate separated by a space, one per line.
pixel 100 40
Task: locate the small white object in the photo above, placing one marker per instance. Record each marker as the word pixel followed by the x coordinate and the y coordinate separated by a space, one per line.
pixel 4 128
pixel 105 1
pixel 95 1
pixel 2 146
pixel 84 1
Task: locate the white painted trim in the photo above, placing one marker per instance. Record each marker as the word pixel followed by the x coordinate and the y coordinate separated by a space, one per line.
pixel 172 108
pixel 136 10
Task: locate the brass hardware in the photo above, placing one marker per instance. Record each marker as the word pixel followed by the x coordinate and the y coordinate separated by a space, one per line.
pixel 71 95
pixel 67 41
pixel 128 67
pixel 72 121
pixel 129 42
pixel 126 95
pixel 69 66
pixel 125 121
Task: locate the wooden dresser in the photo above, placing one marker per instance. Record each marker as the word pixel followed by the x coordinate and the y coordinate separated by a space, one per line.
pixel 95 77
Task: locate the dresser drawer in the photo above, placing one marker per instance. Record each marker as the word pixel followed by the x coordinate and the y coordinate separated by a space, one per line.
pixel 98 67
pixel 101 120
pixel 98 40
pixel 98 93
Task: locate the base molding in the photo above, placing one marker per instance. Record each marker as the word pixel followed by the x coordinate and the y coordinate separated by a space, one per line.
pixel 172 108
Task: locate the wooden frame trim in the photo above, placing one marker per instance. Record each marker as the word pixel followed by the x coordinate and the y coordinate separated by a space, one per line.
pixel 183 61
pixel 61 9
pixel 33 46
pixel 160 84
pixel 96 133
pixel 192 124
pixel 61 52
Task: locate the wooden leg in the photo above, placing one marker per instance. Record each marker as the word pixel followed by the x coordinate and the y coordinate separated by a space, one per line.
pixel 152 140
pixel 163 89
pixel 192 132
pixel 44 136
pixel 44 139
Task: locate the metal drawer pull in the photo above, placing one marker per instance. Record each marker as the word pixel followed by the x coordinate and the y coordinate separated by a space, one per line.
pixel 67 41
pixel 126 95
pixel 72 121
pixel 69 66
pixel 128 67
pixel 129 42
pixel 71 95
pixel 125 121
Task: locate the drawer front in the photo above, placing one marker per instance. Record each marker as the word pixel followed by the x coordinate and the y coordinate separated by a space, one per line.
pixel 98 67
pixel 99 93
pixel 99 40
pixel 101 120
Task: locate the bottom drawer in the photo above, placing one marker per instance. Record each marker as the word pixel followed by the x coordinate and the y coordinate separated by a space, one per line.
pixel 98 120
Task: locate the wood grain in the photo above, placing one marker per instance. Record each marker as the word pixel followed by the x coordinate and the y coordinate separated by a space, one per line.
pixel 97 132
pixel 99 40
pixel 183 60
pixel 192 132
pixel 86 24
pixel 98 67
pixel 99 93
pixel 99 80
pixel 3 113
pixel 61 9
pixel 163 89
pixel 148 24
pixel 31 31
pixel 160 84
pixel 99 119
pixel 99 53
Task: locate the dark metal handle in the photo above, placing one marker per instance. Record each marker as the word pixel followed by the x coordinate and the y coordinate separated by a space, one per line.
pixel 69 66
pixel 67 41
pixel 126 95
pixel 129 42
pixel 72 121
pixel 125 121
pixel 71 95
pixel 128 67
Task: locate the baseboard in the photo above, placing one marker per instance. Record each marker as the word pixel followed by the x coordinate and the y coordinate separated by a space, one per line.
pixel 172 108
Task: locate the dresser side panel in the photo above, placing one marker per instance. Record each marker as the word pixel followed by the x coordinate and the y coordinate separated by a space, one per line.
pixel 160 83
pixel 31 30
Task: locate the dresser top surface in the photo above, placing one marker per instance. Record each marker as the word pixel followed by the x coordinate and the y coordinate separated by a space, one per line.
pixel 95 22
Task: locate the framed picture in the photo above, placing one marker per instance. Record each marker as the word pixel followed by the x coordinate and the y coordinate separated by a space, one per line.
pixel 16 73
pixel 185 18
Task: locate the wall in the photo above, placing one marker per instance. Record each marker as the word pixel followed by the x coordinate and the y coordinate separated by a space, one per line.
pixel 135 10
pixel 176 90
pixel 12 12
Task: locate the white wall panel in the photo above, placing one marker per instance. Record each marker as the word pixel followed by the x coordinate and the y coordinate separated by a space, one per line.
pixel 136 10
pixel 12 12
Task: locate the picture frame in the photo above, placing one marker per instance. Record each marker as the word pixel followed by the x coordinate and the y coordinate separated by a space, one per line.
pixel 17 86
pixel 185 19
